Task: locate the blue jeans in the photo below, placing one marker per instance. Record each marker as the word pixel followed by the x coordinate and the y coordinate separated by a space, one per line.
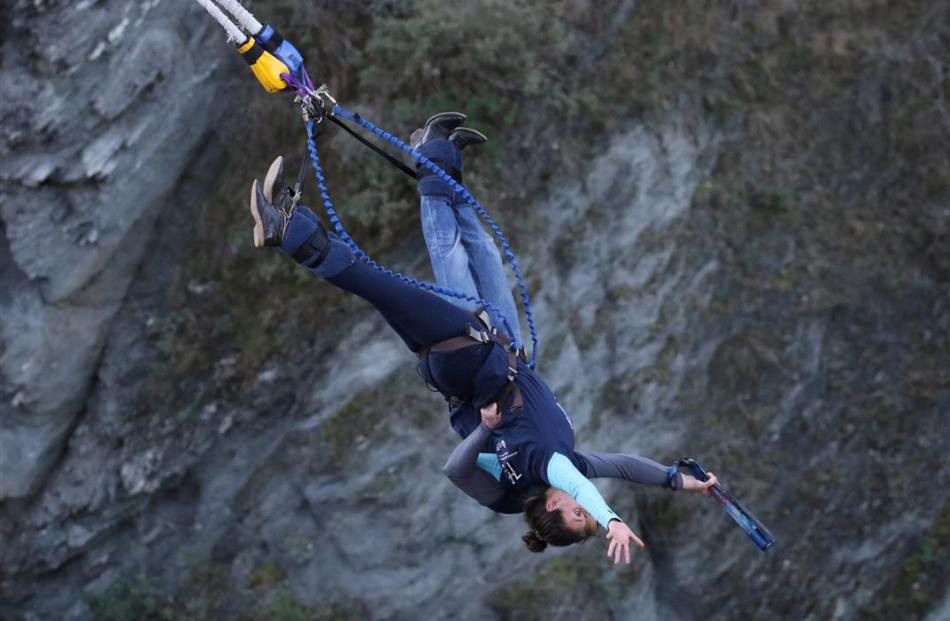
pixel 465 259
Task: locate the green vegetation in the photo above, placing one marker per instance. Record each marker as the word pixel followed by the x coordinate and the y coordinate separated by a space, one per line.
pixel 922 579
pixel 131 601
pixel 368 411
pixel 202 598
pixel 771 74
pixel 662 514
pixel 562 588
pixel 831 129
pixel 267 575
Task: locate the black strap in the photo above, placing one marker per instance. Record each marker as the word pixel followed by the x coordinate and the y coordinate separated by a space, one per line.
pixel 480 337
pixel 252 54
pixel 302 173
pixel 315 246
pixel 274 42
pixel 456 342
pixel 389 158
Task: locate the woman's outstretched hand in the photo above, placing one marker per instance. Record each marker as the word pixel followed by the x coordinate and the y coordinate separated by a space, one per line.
pixel 490 415
pixel 692 484
pixel 620 537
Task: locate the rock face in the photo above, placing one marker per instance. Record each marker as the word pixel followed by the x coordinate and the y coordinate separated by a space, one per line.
pixel 190 425
pixel 96 136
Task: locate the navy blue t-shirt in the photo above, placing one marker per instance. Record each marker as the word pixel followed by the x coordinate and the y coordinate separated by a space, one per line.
pixel 527 437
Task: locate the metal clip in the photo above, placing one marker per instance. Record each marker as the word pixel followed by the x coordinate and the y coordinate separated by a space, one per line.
pixel 316 105
pixel 479 335
pixel 485 318
pixel 295 199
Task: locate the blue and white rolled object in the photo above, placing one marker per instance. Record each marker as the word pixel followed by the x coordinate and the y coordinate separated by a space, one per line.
pixel 755 529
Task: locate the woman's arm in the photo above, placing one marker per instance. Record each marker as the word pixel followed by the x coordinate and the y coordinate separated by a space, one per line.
pixel 563 475
pixel 638 469
pixel 631 468
pixel 463 470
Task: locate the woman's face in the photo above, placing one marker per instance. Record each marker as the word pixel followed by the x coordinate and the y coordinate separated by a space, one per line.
pixel 574 515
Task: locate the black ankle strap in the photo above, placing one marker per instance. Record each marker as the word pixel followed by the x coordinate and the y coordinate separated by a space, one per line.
pixel 313 251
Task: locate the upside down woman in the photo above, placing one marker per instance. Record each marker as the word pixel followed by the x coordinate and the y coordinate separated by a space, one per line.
pixel 517 453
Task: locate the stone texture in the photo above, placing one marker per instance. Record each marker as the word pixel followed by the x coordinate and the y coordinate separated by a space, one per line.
pixel 97 138
pixel 180 409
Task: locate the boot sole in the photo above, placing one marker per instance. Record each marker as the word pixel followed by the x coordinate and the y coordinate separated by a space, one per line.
pixel 416 137
pixel 256 214
pixel 448 122
pixel 271 177
pixel 445 116
pixel 480 138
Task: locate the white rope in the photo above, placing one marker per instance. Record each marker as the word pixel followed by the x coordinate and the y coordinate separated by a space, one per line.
pixel 243 16
pixel 234 33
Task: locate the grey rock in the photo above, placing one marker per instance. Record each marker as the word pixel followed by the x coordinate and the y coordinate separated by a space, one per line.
pixel 122 132
pixel 145 431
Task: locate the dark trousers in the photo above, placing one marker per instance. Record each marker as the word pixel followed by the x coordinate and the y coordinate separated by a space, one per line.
pixel 420 318
pixel 476 373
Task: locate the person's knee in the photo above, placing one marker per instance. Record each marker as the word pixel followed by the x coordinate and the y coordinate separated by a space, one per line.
pixel 483 244
pixel 440 228
pixel 451 248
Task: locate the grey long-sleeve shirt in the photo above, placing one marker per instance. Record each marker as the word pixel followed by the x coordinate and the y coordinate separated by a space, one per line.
pixel 476 473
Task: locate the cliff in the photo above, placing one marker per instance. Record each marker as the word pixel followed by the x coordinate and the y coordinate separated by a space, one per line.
pixel 734 223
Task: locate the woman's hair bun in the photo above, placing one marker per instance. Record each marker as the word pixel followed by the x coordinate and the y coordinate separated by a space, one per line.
pixel 534 543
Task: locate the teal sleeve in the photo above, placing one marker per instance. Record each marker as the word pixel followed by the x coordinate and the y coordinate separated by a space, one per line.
pixel 490 464
pixel 563 475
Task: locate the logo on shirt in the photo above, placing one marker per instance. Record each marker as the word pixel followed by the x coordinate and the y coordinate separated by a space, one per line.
pixel 501 449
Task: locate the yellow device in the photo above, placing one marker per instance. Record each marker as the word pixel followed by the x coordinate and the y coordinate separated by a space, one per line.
pixel 267 68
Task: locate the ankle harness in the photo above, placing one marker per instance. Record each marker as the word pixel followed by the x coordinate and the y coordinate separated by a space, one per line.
pixel 313 251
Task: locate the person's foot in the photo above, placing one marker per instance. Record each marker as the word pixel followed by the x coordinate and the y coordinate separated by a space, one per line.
pixel 270 220
pixel 439 126
pixel 466 136
pixel 276 189
pixel 274 178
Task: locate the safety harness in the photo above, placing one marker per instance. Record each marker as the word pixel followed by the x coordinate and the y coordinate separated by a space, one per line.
pixel 279 66
pixel 480 336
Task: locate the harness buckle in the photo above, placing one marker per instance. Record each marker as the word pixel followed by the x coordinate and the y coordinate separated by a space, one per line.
pixel 483 316
pixel 479 335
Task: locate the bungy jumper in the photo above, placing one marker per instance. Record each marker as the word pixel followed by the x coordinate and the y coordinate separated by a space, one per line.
pixel 278 66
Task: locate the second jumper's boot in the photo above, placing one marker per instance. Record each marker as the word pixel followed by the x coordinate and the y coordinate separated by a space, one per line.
pixel 432 141
pixel 460 138
pixel 438 126
pixel 465 137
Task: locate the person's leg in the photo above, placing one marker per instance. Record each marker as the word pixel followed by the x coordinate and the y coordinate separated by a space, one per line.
pixel 483 270
pixel 487 268
pixel 419 317
pixel 450 261
pixel 446 252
